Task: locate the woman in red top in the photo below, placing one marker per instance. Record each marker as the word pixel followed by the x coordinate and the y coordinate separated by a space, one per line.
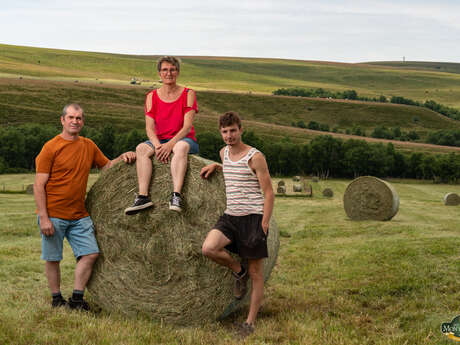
pixel 169 114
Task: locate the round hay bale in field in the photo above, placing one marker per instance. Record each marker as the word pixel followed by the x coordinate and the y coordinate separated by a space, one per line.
pixel 281 190
pixel 297 188
pixel 296 178
pixel 315 179
pixel 451 199
pixel 30 189
pixel 370 198
pixel 151 263
pixel 328 193
pixel 281 183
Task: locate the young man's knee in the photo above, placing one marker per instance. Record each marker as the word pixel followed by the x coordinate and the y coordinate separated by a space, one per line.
pixel 208 250
pixel 89 258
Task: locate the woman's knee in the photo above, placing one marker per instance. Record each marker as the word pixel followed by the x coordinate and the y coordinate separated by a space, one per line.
pixel 144 149
pixel 181 148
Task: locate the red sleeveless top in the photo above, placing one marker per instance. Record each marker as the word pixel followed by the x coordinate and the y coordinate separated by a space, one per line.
pixel 169 116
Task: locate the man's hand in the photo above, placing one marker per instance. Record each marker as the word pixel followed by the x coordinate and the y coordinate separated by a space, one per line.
pixel 46 227
pixel 208 170
pixel 128 157
pixel 163 151
pixel 265 226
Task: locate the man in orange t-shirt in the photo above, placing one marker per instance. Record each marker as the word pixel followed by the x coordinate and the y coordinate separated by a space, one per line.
pixel 63 168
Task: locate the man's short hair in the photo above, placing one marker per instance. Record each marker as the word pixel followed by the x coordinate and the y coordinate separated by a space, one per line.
pixel 228 119
pixel 76 106
pixel 169 59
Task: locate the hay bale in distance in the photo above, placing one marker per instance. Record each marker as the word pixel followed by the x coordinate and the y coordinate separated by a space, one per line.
pixel 328 193
pixel 451 199
pixel 296 178
pixel 151 263
pixel 281 190
pixel 30 189
pixel 297 188
pixel 370 198
pixel 281 183
pixel 315 179
pixel 308 190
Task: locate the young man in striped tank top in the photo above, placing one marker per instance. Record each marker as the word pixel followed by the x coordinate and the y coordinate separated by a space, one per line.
pixel 243 228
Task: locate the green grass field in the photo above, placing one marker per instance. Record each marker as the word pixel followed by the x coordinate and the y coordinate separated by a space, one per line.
pixel 336 281
pixel 419 82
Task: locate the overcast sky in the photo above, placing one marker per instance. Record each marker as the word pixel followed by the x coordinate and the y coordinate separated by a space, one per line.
pixel 333 30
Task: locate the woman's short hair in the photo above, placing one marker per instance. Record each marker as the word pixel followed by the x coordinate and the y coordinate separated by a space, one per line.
pixel 169 59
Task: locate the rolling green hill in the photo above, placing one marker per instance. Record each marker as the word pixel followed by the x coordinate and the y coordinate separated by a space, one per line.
pixel 40 101
pixel 236 74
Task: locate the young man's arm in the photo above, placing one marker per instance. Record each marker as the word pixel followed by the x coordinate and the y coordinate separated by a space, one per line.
pixel 259 165
pixel 165 149
pixel 46 227
pixel 209 169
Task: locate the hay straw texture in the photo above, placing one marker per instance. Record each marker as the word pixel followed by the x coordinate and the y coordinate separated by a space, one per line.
pixel 369 198
pixel 296 178
pixel 281 183
pixel 328 193
pixel 451 199
pixel 314 179
pixel 151 263
pixel 281 190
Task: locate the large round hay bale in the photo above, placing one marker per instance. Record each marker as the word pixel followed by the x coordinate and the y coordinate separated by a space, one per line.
pixel 315 179
pixel 30 189
pixel 328 193
pixel 281 190
pixel 297 188
pixel 151 263
pixel 281 183
pixel 370 198
pixel 296 178
pixel 451 199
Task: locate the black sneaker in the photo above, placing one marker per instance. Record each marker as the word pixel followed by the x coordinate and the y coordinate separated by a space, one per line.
pixel 140 203
pixel 240 287
pixel 175 203
pixel 58 302
pixel 78 305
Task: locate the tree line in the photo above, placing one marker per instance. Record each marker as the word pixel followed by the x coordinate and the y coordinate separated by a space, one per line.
pixel 325 156
pixel 353 95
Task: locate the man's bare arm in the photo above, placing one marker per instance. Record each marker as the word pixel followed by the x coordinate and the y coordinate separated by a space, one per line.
pixel 46 227
pixel 259 165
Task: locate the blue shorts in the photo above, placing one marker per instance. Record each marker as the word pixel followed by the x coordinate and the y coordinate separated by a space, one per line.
pixel 194 148
pixel 79 234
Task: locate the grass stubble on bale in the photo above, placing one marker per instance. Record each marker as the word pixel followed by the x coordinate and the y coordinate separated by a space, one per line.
pixel 451 199
pixel 151 263
pixel 370 198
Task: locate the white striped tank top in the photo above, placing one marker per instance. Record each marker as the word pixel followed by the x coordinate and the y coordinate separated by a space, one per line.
pixel 244 195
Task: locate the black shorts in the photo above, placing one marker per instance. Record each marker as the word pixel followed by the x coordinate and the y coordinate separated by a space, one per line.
pixel 247 237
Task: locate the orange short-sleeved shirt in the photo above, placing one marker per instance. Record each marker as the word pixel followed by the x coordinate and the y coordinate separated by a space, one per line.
pixel 68 164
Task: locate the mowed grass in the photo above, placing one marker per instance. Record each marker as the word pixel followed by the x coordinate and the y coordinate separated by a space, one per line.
pixel 336 281
pixel 270 116
pixel 237 74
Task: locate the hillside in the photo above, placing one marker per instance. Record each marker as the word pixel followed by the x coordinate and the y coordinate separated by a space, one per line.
pixel 40 101
pixel 235 74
